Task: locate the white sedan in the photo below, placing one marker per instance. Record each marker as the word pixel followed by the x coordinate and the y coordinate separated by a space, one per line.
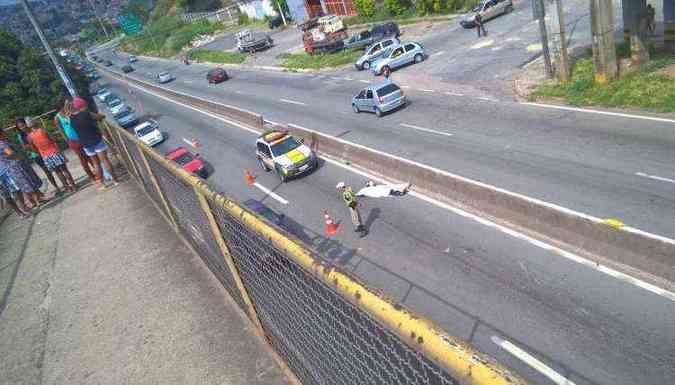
pixel 148 133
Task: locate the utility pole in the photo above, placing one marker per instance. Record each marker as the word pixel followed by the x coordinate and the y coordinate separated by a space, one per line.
pixel 563 58
pixel 281 12
pixel 59 68
pixel 539 11
pixel 100 22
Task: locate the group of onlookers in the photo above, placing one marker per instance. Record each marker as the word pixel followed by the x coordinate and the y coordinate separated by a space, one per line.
pixel 20 186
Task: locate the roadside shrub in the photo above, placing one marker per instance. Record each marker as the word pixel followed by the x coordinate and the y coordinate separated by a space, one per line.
pixel 365 8
pixel 397 7
pixel 243 19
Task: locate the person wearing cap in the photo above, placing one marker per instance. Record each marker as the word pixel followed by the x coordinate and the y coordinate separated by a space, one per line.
pixel 85 124
pixel 349 198
pixel 62 121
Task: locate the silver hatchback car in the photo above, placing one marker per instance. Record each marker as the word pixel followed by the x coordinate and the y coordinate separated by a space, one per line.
pixel 398 56
pixel 379 98
pixel 373 52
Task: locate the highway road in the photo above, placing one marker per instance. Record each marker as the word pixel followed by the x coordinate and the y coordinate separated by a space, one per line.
pixel 503 294
pixel 605 166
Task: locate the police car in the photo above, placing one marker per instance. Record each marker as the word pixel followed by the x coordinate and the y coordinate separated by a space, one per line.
pixel 279 151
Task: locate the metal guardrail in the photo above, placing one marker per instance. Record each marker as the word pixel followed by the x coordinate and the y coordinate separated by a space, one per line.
pixel 324 326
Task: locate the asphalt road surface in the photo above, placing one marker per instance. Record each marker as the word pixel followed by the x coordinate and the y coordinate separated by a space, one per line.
pixel 606 166
pixel 478 283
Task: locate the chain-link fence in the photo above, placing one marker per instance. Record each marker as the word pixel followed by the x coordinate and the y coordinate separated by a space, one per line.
pixel 324 326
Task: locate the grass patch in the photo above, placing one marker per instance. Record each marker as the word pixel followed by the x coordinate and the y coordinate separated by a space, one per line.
pixel 645 88
pixel 408 17
pixel 167 36
pixel 211 56
pixel 306 61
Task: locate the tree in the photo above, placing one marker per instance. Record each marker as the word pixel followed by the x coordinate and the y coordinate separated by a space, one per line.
pixel 365 8
pixel 397 7
pixel 29 84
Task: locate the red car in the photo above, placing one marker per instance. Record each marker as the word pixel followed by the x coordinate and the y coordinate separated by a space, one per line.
pixel 188 161
pixel 216 75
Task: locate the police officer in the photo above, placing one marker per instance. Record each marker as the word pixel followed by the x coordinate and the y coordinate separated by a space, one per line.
pixel 349 198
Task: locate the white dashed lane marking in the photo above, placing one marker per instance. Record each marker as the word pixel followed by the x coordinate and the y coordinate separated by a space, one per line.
pixel 426 129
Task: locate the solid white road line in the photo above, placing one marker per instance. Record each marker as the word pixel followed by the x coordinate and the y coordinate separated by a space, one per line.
pixel 426 129
pixel 487 99
pixel 364 81
pixel 539 366
pixel 606 270
pixel 617 114
pixel 271 193
pixel 453 93
pixel 427 90
pixel 438 53
pixel 655 177
pixel 292 102
pixel 405 87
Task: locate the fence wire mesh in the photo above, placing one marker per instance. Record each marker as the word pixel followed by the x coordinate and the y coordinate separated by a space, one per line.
pixel 140 166
pixel 324 338
pixel 195 225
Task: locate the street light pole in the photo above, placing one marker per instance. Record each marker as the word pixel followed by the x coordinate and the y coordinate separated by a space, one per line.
pixel 59 68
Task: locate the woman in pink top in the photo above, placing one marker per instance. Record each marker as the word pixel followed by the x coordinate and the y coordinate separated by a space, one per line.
pixel 43 144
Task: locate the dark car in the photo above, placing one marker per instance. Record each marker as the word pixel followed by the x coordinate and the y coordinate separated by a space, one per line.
pixel 189 162
pixel 385 30
pixel 359 40
pixel 127 68
pixel 107 63
pixel 216 75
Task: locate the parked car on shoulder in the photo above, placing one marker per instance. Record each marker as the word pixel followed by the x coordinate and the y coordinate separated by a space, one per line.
pixel 359 40
pixel 398 56
pixel 102 94
pixel 379 98
pixel 287 156
pixel 382 31
pixel 488 10
pixel 148 133
pixel 127 68
pixel 373 52
pixel 127 118
pixel 132 59
pixel 188 161
pixel 164 77
pixel 216 75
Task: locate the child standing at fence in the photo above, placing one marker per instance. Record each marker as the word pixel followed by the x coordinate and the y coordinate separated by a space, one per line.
pixel 52 157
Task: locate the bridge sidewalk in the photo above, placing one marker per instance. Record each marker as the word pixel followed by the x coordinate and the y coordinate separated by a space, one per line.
pixel 97 289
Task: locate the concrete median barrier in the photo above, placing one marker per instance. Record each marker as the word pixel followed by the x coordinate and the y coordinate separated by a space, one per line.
pixel 649 256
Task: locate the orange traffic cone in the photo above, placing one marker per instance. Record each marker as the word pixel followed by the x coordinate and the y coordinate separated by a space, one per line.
pixel 250 179
pixel 331 227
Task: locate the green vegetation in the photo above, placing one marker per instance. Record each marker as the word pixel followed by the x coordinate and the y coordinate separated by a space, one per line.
pixel 365 8
pixel 29 85
pixel 211 56
pixel 304 61
pixel 403 11
pixel 646 88
pixel 167 36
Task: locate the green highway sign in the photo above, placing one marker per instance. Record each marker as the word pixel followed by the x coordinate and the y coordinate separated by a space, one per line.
pixel 130 23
